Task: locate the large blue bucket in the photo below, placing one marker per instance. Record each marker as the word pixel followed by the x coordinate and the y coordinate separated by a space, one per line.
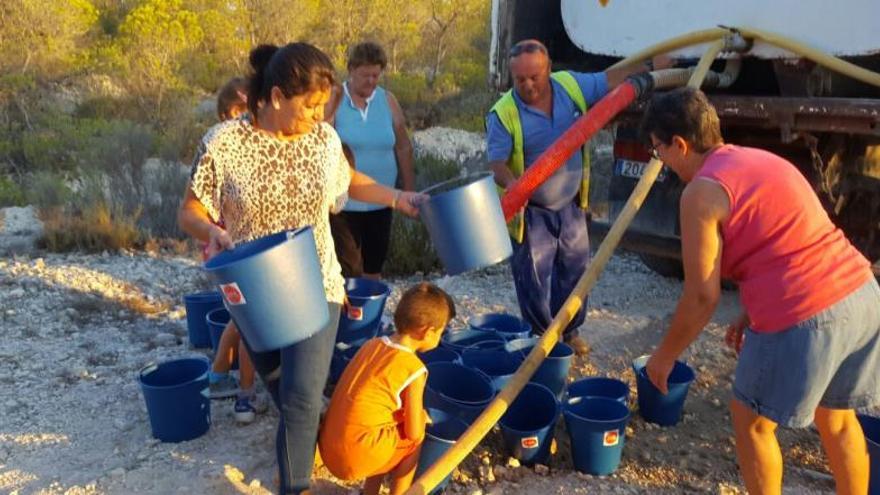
pixel 197 306
pixel 176 393
pixel 440 436
pixel 871 428
pixel 460 340
pixel 440 355
pixel 599 386
pixel 554 369
pixel 654 406
pixel 527 426
pixel 597 427
pixel 498 364
pixel 508 326
pixel 342 355
pixel 273 288
pixel 217 319
pixel 466 224
pixel 457 390
pixel 360 319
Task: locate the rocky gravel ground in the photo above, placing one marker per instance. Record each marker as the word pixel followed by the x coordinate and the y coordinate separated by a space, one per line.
pixel 77 328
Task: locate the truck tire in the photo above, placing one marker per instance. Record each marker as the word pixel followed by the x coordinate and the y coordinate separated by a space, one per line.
pixel 667 267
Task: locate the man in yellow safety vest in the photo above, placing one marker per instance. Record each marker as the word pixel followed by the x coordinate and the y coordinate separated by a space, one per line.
pixel 551 245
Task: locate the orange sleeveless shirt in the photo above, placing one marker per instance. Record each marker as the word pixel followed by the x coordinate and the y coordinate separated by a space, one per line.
pixel 362 433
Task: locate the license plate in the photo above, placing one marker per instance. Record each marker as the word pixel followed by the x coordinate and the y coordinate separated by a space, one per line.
pixel 634 169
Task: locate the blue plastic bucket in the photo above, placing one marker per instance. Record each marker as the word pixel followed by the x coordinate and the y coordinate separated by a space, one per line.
pixel 176 393
pixel 342 355
pixel 216 319
pixel 871 428
pixel 460 340
pixel 599 386
pixel 273 288
pixel 440 355
pixel 458 390
pixel 507 326
pixel 466 223
pixel 665 410
pixel 554 369
pixel 527 426
pixel 498 364
pixel 197 306
pixel 360 319
pixel 597 427
pixel 440 436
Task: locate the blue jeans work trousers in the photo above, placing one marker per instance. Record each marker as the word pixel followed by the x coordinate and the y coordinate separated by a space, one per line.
pixel 548 263
pixel 295 377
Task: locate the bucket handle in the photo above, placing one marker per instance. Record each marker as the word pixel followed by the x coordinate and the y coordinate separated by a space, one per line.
pixel 148 368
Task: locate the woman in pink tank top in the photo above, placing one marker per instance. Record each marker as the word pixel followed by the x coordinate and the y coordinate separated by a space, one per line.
pixel 809 339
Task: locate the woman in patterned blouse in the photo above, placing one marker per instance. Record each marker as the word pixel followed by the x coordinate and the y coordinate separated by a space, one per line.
pixel 279 170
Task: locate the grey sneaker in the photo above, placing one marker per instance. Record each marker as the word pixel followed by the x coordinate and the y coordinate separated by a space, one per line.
pixel 223 388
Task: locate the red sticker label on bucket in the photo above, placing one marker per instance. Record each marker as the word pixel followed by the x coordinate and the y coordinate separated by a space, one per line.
pixel 611 438
pixel 232 294
pixel 529 442
pixel 355 313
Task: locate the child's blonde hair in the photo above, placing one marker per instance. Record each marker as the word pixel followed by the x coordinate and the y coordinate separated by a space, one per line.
pixel 424 305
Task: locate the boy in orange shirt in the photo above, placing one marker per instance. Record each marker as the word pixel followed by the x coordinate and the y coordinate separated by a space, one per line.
pixel 375 423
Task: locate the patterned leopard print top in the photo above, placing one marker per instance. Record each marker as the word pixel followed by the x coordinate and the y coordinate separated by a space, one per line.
pixel 261 185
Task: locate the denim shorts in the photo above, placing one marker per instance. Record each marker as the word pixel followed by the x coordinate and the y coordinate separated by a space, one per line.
pixel 831 360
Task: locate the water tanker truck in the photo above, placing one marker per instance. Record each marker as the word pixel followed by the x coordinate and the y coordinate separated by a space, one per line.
pixel 817 115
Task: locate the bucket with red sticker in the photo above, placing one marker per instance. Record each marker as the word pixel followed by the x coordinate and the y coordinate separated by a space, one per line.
pixel 362 314
pixel 527 426
pixel 273 288
pixel 610 438
pixel 529 442
pixel 232 294
pixel 355 313
pixel 596 426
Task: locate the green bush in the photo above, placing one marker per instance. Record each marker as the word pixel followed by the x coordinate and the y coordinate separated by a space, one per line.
pixel 408 88
pixel 47 189
pixel 11 194
pixel 410 248
pixel 467 110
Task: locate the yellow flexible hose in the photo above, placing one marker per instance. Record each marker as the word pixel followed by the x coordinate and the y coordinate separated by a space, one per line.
pixel 834 63
pixel 696 37
pixel 672 44
pixel 493 412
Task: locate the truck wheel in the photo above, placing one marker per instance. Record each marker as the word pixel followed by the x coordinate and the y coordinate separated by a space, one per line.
pixel 667 267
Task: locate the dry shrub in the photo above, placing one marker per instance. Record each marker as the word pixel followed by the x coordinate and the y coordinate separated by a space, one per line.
pixel 95 228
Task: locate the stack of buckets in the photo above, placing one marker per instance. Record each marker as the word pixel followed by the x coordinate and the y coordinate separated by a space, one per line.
pixel 198 305
pixel 595 409
pixel 596 415
pixel 360 320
